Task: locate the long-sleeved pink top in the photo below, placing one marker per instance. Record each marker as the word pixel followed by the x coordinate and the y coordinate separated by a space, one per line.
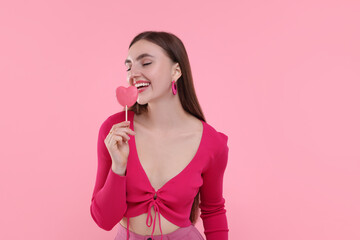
pixel 117 196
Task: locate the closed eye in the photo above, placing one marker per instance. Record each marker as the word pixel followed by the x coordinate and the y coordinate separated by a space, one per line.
pixel 143 65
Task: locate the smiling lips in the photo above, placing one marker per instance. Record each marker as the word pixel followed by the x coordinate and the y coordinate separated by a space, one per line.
pixel 142 81
pixel 142 86
pixel 139 85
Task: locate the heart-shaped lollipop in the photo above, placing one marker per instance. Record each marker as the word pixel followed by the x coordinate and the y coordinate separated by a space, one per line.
pixel 127 96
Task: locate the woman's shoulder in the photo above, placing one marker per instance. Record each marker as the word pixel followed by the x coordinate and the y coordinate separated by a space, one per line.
pixel 216 148
pixel 218 138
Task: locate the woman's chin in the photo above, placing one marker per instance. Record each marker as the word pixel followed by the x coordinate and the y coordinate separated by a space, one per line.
pixel 141 101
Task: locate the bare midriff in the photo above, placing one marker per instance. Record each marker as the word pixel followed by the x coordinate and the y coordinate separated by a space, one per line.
pixel 138 224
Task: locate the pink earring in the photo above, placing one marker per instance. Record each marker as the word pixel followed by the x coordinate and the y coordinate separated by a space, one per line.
pixel 173 86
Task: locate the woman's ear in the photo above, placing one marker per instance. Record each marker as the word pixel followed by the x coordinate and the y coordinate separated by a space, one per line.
pixel 176 74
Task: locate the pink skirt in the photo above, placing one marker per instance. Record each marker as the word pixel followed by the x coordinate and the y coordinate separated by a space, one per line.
pixel 189 233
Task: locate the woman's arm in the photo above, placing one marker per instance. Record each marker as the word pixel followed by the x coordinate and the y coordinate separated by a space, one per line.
pixel 108 202
pixel 212 203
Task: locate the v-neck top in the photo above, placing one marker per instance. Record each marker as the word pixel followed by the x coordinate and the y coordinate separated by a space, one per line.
pixel 116 196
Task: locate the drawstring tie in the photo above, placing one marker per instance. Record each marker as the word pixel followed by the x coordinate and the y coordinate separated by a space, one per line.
pixel 156 208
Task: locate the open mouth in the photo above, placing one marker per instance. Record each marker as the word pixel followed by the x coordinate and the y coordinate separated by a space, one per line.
pixel 141 86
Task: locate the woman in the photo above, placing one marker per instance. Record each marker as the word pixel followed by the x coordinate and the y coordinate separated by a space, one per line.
pixel 157 177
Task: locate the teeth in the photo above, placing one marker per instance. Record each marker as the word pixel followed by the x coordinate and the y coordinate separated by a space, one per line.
pixel 141 84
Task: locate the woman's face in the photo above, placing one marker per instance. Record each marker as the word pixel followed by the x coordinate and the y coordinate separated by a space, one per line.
pixel 148 62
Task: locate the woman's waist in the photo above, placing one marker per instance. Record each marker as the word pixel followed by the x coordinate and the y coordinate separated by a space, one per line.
pixel 138 225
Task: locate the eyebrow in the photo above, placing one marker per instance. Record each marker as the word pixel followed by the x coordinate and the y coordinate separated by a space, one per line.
pixel 139 57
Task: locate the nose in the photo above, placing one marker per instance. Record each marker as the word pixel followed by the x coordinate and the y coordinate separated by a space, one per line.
pixel 132 75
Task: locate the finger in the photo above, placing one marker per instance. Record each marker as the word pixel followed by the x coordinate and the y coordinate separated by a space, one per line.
pixel 116 139
pixel 119 131
pixel 123 134
pixel 121 124
pixel 129 131
pixel 122 129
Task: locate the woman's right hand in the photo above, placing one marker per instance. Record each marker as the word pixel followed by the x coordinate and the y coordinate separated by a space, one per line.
pixel 117 143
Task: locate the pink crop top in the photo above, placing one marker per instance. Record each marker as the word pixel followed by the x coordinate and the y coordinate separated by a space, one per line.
pixel 116 196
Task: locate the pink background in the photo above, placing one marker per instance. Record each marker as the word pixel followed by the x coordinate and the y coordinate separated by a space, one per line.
pixel 280 78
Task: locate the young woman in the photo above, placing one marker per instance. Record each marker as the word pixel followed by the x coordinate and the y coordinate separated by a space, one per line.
pixel 151 182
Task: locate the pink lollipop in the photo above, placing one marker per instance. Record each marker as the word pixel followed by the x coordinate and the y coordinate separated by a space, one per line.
pixel 127 96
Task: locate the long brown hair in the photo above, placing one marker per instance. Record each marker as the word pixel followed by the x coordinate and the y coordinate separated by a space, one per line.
pixel 175 50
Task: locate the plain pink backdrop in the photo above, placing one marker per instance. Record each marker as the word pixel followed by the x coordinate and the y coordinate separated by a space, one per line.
pixel 280 78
